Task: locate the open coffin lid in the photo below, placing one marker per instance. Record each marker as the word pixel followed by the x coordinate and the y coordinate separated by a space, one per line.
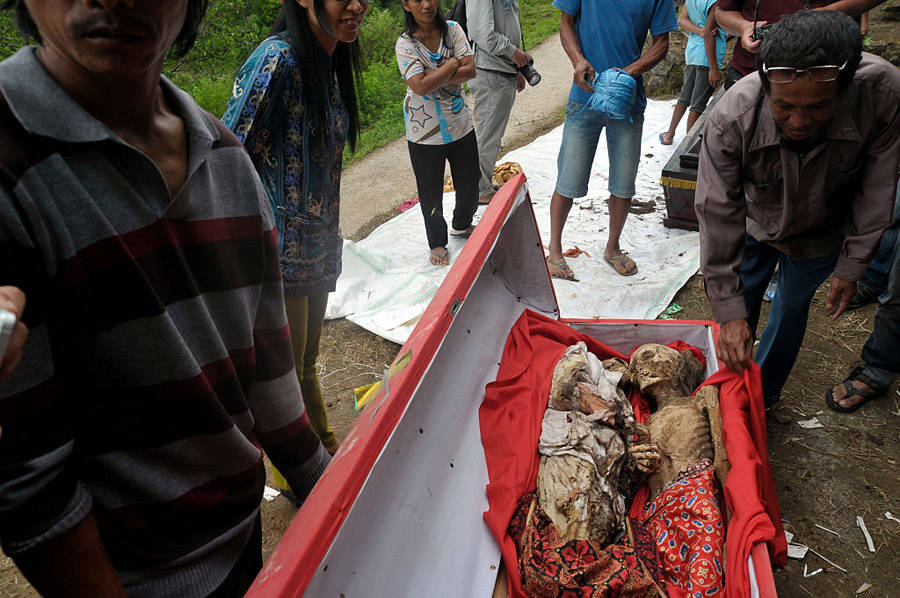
pixel 399 512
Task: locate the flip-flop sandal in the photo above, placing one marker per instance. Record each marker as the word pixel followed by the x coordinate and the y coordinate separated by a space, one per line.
pixel 464 233
pixel 621 263
pixel 443 257
pixel 560 269
pixel 875 390
pixel 662 140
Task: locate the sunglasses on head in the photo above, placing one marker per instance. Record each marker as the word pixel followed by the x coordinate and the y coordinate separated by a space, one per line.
pixel 788 74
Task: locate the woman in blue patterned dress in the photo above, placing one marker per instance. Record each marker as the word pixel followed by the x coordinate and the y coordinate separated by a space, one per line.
pixel 294 106
pixel 435 59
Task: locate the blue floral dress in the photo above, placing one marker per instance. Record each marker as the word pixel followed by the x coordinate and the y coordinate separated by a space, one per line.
pixel 298 160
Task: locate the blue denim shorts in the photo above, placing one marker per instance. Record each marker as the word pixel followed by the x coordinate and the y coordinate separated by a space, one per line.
pixel 581 133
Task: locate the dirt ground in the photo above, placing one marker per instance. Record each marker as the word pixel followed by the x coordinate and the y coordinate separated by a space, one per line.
pixel 824 476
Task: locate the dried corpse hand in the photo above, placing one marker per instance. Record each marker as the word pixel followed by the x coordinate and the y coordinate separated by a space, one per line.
pixel 687 429
pixel 588 464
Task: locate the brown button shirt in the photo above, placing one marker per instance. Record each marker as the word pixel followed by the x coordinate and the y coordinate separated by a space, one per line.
pixel 835 199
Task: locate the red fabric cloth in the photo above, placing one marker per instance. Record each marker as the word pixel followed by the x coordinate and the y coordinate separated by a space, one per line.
pixel 750 487
pixel 510 419
pixel 686 524
pixel 556 568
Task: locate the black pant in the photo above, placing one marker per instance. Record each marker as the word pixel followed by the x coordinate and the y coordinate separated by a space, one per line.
pixel 428 165
pixel 245 569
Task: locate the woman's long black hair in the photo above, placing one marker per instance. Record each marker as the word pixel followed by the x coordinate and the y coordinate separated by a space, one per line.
pixel 411 26
pixel 294 20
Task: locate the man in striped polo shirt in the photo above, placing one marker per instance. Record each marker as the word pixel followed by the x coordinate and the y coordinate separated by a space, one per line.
pixel 158 364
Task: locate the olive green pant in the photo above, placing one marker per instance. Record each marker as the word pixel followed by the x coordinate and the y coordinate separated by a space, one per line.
pixel 306 315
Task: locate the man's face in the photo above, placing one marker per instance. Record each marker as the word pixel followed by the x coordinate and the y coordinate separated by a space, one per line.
pixel 802 107
pixel 123 38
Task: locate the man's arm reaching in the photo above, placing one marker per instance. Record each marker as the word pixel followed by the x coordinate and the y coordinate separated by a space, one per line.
pixel 854 8
pixel 568 35
pixel 735 24
pixel 653 56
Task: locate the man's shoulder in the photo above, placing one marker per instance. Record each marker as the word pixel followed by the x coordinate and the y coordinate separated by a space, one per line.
pixel 572 7
pixel 698 9
pixel 737 103
pixel 879 72
pixel 19 150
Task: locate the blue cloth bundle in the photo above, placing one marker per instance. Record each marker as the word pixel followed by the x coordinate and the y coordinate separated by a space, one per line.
pixel 614 94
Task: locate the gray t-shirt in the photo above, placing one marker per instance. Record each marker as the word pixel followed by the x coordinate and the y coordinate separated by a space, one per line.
pixel 440 117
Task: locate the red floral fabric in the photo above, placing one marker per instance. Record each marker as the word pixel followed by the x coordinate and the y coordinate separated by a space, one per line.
pixel 686 522
pixel 554 568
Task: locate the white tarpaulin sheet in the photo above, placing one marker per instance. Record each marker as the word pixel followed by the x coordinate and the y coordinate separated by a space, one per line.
pixel 387 279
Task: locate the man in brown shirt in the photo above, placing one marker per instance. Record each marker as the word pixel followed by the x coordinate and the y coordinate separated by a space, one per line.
pixel 798 169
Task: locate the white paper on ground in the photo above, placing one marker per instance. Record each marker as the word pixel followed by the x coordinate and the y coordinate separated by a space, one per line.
pixel 270 493
pixel 797 551
pixel 810 424
pixel 788 536
pixel 862 525
pixel 806 572
pixel 387 280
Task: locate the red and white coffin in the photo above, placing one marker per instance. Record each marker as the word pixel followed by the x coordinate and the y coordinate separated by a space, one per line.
pixel 399 512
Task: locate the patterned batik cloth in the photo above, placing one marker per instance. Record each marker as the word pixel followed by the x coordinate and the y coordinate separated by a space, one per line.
pixel 554 568
pixel 686 521
pixel 298 156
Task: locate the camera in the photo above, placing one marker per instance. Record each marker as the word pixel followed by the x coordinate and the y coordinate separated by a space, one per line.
pixel 759 32
pixel 529 72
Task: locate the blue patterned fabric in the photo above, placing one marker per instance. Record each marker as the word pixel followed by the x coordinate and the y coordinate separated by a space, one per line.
pixel 614 94
pixel 299 161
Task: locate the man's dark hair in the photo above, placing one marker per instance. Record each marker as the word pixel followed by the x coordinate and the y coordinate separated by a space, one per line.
pixel 812 38
pixel 196 10
pixel 294 22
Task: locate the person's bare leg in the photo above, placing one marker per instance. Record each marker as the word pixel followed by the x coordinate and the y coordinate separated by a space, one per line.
pixel 677 113
pixel 693 115
pixel 559 211
pixel 618 212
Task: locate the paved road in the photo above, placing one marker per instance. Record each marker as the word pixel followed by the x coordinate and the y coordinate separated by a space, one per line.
pixel 373 187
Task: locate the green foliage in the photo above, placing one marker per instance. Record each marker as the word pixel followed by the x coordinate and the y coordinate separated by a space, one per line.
pixel 540 20
pixel 233 28
pixel 212 93
pixel 379 33
pixel 10 40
